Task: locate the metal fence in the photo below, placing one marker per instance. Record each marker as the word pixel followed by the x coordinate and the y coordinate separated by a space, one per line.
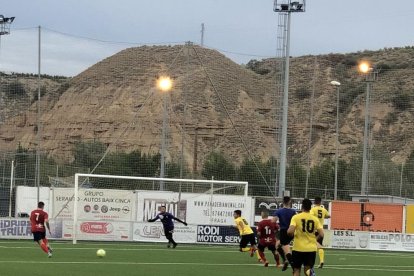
pixel 218 121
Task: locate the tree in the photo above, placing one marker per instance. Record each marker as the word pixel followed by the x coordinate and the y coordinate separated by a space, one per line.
pixel 408 177
pixel 353 176
pixel 296 178
pixel 14 89
pixel 302 93
pixel 401 101
pixel 88 154
pixel 322 177
pixel 248 171
pixel 257 67
pixel 173 169
pixel 216 165
pixel 384 175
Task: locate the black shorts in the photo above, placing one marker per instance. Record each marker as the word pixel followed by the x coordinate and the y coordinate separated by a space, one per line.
pixel 277 234
pixel 245 239
pixel 285 239
pixel 169 230
pixel 270 246
pixel 37 236
pixel 303 258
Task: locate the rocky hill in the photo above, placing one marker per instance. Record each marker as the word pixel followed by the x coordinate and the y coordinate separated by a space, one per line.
pixel 221 105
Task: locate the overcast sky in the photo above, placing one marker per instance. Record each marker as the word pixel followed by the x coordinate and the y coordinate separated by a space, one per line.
pixel 241 29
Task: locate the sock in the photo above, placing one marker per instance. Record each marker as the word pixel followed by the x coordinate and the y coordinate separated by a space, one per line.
pixel 245 249
pixel 277 259
pixel 289 258
pixel 44 247
pixel 281 253
pixel 261 255
pixel 45 241
pixel 171 240
pixel 321 255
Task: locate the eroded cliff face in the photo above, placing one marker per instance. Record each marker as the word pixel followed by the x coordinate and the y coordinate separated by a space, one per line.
pixel 216 101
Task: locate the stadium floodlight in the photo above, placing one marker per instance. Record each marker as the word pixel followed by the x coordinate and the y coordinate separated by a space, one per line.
pixel 366 68
pixel 5 24
pixel 164 83
pixel 337 84
pixel 5 30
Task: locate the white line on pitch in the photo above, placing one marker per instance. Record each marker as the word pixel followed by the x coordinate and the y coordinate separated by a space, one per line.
pixel 339 267
pixel 124 249
pixel 381 255
pixel 370 269
pixel 130 263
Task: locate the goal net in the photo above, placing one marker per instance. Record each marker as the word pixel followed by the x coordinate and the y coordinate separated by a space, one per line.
pixel 117 208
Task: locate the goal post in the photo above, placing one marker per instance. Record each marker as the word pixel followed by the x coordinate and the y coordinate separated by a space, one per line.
pixel 201 202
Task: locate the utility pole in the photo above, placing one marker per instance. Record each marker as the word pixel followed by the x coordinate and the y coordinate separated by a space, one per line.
pixel 202 35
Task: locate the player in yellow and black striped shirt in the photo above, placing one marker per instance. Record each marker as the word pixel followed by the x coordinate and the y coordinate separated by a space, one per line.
pixel 321 213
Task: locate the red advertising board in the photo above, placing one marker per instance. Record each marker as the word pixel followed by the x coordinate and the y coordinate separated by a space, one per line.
pixel 366 216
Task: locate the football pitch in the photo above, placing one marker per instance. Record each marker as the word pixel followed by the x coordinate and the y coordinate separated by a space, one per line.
pixel 123 259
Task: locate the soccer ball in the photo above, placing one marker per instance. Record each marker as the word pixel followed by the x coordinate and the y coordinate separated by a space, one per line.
pixel 100 253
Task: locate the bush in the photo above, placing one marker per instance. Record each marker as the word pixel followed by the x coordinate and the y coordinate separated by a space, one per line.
pixel 43 91
pixel 401 101
pixel 14 89
pixel 350 60
pixel 302 93
pixel 65 86
pixel 391 118
pixel 382 66
pixel 257 67
pixel 349 94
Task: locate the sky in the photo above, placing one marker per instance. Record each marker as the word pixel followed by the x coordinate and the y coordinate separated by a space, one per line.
pixel 75 34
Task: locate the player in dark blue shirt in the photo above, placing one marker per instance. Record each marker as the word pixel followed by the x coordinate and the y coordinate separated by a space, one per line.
pixel 284 215
pixel 168 224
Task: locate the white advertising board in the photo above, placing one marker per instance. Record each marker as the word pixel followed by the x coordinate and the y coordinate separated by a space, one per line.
pixel 391 241
pixel 26 199
pixel 98 230
pixel 347 239
pixel 94 204
pixel 11 228
pixel 194 208
pixel 154 232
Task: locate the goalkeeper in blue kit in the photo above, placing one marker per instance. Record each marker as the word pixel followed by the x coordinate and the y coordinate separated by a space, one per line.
pixel 168 224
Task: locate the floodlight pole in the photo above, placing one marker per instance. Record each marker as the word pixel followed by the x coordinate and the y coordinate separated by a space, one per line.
pixel 163 142
pixel 336 144
pixel 286 7
pixel 370 78
pixel 164 84
pixel 38 137
pixel 364 179
pixel 283 145
pixel 337 85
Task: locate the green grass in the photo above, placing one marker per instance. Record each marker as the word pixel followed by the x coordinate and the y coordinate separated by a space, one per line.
pixel 124 259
